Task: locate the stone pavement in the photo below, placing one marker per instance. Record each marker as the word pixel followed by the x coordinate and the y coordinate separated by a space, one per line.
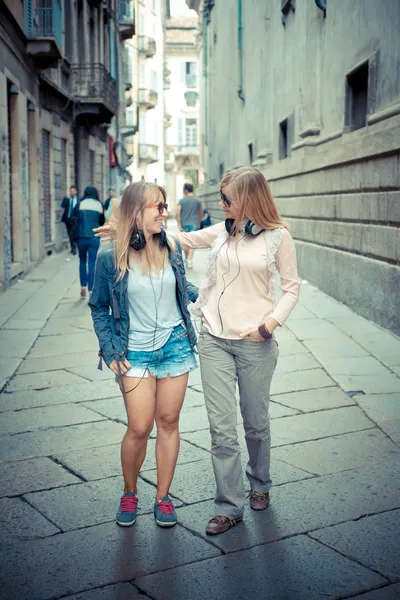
pixel 332 530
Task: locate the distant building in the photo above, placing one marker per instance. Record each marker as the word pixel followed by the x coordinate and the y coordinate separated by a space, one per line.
pixel 182 106
pixel 309 92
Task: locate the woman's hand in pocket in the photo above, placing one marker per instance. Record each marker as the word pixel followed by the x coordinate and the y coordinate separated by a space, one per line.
pixel 252 334
pixel 124 366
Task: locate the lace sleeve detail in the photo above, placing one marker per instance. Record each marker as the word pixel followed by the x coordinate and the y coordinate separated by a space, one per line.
pixel 273 239
pixel 210 275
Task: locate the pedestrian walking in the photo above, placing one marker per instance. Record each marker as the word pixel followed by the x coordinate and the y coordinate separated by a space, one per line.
pixel 87 215
pixel 189 213
pixel 68 205
pixel 111 196
pixel 147 340
pixel 251 287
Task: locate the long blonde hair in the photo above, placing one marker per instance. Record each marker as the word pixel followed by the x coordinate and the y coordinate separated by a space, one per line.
pixel 250 193
pixel 134 200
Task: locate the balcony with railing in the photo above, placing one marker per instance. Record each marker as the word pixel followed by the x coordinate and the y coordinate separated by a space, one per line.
pixel 126 19
pixel 148 153
pixel 43 28
pixel 95 90
pixel 186 150
pixel 147 46
pixel 147 98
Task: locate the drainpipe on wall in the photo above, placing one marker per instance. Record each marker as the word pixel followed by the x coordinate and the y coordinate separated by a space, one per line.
pixel 321 5
pixel 240 48
pixel 205 73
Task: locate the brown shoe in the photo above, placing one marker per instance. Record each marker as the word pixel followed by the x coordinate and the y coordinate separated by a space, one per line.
pixel 259 500
pixel 220 524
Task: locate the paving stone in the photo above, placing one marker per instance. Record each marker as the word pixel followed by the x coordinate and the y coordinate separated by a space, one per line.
pixel 92 373
pixel 63 395
pixel 385 346
pixel 19 521
pixel 384 409
pixel 359 365
pixel 276 411
pixel 68 325
pixel 396 370
pixel 370 384
pixel 16 344
pixel 86 504
pixel 325 307
pixel 339 347
pixel 111 408
pixel 37 365
pixel 373 541
pixel 290 348
pixel 295 569
pixel 312 426
pixel 296 362
pixel 314 329
pixel 314 400
pixel 389 592
pixel 68 310
pixel 356 325
pixel 195 377
pixel 77 560
pixel 185 484
pixel 30 475
pixel 302 380
pixel 24 324
pixel 341 452
pixel 45 379
pixel 8 366
pixel 301 312
pixel 192 419
pixel 105 461
pixel 32 419
pixel 305 505
pixel 65 344
pixel 59 439
pixel 120 591
pixel 193 398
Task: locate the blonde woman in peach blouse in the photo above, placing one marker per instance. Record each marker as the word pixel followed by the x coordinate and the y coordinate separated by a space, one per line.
pixel 251 287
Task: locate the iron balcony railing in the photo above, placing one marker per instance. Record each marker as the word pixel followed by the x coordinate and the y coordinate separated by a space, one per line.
pixel 148 152
pixel 44 22
pixel 93 83
pixel 147 45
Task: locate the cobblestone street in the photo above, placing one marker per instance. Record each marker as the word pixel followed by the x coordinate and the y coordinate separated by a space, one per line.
pixel 332 530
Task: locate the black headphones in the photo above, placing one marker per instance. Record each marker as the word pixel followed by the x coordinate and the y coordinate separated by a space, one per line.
pixel 138 241
pixel 251 229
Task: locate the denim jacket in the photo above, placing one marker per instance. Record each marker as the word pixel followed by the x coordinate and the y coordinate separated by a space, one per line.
pixel 112 327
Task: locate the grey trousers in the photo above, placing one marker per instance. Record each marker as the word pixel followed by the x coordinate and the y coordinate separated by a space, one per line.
pixel 251 364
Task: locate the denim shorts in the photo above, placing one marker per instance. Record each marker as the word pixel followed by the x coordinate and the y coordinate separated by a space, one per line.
pixel 189 228
pixel 175 358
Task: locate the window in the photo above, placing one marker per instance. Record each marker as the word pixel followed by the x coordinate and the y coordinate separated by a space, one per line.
pixel 283 139
pixel 357 98
pixel 250 153
pixel 189 74
pixel 154 82
pixel 191 133
pixel 154 5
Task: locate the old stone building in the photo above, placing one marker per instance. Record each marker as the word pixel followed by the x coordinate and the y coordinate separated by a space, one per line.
pixel 61 100
pixel 309 92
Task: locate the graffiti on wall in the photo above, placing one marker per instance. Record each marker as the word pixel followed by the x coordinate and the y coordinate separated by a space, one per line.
pixel 6 206
pixel 390 80
pixel 25 197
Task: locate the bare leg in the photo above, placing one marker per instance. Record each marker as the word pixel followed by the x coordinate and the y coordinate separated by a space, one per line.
pixel 169 400
pixel 190 253
pixel 140 410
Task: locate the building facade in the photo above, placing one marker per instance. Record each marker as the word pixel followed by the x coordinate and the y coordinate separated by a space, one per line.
pixel 182 106
pixel 309 92
pixel 60 89
pixel 146 148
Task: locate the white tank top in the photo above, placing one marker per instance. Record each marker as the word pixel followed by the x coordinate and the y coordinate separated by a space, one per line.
pixel 153 308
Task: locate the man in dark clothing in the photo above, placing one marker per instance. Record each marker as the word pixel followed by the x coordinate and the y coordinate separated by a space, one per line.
pixel 111 196
pixel 68 204
pixel 189 213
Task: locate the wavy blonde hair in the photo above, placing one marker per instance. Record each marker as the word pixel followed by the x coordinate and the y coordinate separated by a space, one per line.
pixel 250 193
pixel 134 200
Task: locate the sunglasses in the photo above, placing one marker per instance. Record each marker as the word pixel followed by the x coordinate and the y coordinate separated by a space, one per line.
pixel 225 199
pixel 160 205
